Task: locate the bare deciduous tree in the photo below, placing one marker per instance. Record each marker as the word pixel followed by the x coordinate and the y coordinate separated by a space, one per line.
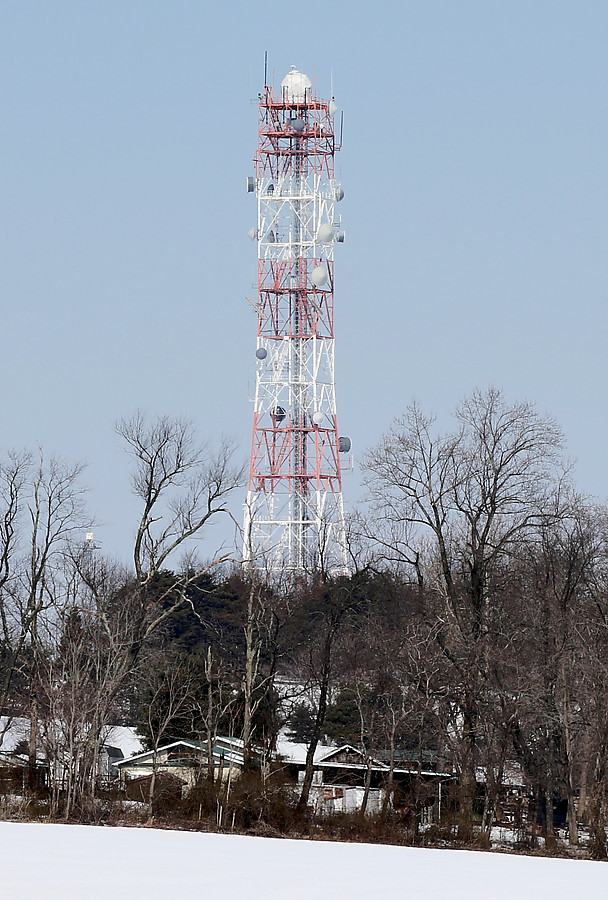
pixel 182 486
pixel 477 493
pixel 55 513
pixel 13 485
pixel 169 691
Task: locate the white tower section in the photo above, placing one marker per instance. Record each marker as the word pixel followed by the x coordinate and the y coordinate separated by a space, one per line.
pixel 294 516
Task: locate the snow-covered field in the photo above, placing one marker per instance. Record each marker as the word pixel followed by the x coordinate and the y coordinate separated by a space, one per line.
pixel 73 861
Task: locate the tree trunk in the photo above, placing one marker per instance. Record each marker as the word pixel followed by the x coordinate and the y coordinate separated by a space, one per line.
pixel 32 763
pixel 599 843
pixel 467 777
pixel 390 781
pixel 152 785
pixel 319 719
pixel 549 825
pixel 210 759
pixel 489 805
pixel 210 729
pixel 583 784
pixel 248 684
pixel 572 825
pixel 367 786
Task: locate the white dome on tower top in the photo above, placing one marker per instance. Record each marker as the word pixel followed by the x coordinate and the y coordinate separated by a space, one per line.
pixel 295 86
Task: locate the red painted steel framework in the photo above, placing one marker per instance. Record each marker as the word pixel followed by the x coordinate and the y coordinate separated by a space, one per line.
pixel 294 518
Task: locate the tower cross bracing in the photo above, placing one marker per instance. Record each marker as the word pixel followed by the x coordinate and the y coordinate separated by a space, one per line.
pixel 294 515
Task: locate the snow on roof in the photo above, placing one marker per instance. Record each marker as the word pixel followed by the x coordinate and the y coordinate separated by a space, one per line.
pixel 235 742
pixel 145 754
pixel 512 775
pixel 294 752
pixel 345 748
pixel 234 753
pixel 123 737
pixel 18 730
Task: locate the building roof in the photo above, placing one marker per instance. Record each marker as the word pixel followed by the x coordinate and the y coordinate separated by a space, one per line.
pixel 228 750
pixel 17 730
pixel 113 752
pixel 295 752
pixel 123 737
pixel 325 757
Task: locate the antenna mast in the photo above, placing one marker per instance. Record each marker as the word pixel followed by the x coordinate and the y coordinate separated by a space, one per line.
pixel 294 516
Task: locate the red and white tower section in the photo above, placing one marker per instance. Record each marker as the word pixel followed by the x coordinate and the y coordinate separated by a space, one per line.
pixel 294 516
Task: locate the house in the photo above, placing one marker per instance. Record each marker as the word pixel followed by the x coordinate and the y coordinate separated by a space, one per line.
pixel 108 771
pixel 14 757
pixel 53 759
pixel 340 775
pixel 185 760
pixel 515 796
pixel 116 743
pixel 14 773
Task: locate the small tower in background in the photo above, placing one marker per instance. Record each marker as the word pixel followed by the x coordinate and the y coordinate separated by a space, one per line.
pixel 294 515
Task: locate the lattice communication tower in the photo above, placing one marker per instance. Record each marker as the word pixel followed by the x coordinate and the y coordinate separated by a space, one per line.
pixel 294 515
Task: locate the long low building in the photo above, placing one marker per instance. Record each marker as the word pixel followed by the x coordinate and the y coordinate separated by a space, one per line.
pixel 185 760
pixel 341 773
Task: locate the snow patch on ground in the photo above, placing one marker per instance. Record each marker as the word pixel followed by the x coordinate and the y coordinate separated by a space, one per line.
pixel 64 861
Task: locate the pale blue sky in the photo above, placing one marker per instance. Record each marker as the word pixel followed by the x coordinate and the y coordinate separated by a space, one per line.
pixel 474 168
